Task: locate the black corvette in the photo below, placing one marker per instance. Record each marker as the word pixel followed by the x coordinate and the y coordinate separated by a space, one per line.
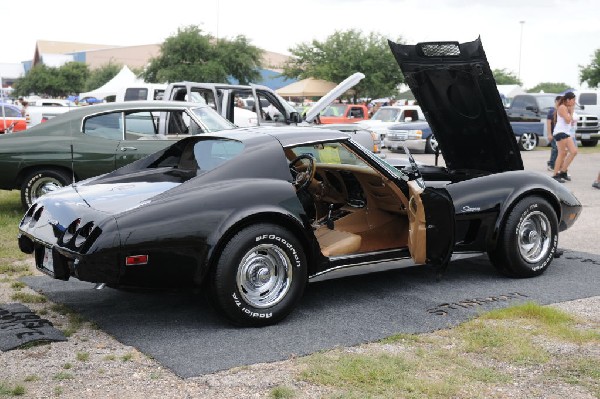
pixel 251 215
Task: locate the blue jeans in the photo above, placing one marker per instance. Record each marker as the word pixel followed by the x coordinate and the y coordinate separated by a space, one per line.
pixel 553 154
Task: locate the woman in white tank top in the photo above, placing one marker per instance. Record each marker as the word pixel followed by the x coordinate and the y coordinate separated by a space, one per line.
pixel 565 144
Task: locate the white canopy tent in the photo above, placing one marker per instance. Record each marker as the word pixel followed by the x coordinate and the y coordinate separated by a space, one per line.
pixel 123 79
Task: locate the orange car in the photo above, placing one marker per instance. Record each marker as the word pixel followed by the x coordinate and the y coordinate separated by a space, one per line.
pixel 11 119
pixel 344 113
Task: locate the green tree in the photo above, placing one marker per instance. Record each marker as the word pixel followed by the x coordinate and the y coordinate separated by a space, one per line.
pixel 549 87
pixel 344 53
pixel 192 55
pixel 591 73
pixel 54 82
pixel 102 75
pixel 504 77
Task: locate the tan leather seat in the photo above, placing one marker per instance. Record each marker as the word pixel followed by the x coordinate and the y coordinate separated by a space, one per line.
pixel 336 242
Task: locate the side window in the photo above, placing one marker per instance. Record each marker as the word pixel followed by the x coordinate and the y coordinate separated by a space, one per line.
pixel 108 126
pixel 530 102
pixel 357 113
pixel 141 125
pixel 136 94
pixel 269 108
pixel 519 103
pixel 203 96
pixel 588 99
pixel 180 122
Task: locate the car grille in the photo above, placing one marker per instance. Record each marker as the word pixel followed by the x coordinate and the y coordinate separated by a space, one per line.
pixel 397 135
pixel 587 123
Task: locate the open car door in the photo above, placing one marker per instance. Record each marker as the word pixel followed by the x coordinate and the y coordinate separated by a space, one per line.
pixel 431 220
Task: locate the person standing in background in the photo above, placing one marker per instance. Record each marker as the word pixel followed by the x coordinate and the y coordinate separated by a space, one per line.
pixel 596 184
pixel 562 135
pixel 550 128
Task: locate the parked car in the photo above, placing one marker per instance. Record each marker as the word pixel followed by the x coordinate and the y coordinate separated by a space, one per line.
pixel 252 214
pixel 344 113
pixel 365 137
pixel 11 119
pixel 390 115
pixel 414 135
pixel 93 140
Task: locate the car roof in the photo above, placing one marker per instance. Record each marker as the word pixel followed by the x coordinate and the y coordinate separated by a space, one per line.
pixel 288 136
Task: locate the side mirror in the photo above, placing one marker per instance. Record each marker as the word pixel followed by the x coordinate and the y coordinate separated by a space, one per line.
pixel 582 107
pixel 295 117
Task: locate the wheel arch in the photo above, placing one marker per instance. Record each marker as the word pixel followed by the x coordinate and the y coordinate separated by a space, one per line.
pixel 275 218
pixel 512 202
pixel 39 167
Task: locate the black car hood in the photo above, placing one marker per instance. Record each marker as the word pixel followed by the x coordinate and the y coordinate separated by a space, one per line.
pixel 455 87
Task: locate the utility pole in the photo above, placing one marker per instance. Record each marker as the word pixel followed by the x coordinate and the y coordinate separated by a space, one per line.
pixel 520 49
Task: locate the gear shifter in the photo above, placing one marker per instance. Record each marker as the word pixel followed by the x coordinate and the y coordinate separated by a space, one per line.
pixel 329 221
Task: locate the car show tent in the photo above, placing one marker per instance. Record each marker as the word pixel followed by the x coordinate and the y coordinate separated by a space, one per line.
pixel 123 79
pixel 308 87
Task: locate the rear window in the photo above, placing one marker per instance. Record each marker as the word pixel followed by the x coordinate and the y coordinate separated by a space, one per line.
pixel 136 94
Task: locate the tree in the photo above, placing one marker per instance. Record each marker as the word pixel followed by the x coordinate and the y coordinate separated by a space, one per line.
pixel 591 73
pixel 504 77
pixel 549 87
pixel 192 55
pixel 345 53
pixel 54 82
pixel 102 75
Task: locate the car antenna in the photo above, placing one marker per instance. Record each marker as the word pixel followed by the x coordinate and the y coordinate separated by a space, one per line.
pixel 72 166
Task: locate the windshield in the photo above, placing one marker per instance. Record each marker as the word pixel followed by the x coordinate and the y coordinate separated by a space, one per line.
pixel 212 120
pixel 545 102
pixel 334 110
pixel 386 114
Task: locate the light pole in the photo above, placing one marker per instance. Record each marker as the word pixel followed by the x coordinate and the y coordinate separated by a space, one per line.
pixel 520 49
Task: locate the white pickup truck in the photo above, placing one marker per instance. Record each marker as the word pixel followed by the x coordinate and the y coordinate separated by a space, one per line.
pixel 44 109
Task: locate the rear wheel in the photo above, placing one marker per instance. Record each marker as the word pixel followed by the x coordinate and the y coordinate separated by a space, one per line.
pixel 259 277
pixel 40 182
pixel 527 240
pixel 528 141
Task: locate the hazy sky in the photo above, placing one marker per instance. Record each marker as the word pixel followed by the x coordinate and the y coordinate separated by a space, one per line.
pixel 554 39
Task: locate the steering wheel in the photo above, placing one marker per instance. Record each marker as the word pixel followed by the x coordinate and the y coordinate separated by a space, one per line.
pixel 302 178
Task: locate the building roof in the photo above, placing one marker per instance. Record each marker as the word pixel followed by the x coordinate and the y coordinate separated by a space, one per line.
pixel 53 47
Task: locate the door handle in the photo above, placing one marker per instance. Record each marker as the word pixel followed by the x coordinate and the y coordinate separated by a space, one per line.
pixel 128 148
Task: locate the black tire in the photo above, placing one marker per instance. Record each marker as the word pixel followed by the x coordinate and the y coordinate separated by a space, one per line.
pixel 589 143
pixel 41 181
pixel 528 239
pixel 259 277
pixel 431 145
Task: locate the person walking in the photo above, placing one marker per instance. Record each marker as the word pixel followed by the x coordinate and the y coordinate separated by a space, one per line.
pixel 562 135
pixel 596 184
pixel 550 118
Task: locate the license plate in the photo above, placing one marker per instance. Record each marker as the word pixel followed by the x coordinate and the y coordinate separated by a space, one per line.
pixel 48 260
pixel 585 136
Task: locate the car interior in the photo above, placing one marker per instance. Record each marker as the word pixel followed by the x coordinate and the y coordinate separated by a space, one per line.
pixel 353 207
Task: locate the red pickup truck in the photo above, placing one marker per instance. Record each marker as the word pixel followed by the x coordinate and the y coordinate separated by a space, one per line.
pixel 344 113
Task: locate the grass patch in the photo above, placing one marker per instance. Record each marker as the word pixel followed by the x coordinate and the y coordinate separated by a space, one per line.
pixel 63 376
pixel 6 390
pixel 110 357
pixel 11 213
pixel 28 298
pixel 584 372
pixel 67 366
pixel 282 392
pixel 17 285
pixel 31 378
pixel 75 319
pixel 12 269
pixel 127 357
pixel 83 356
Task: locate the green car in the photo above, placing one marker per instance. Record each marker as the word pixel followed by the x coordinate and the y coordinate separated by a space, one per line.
pixel 96 139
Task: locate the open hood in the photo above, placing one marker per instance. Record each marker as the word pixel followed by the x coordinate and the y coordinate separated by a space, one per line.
pixel 454 86
pixel 328 98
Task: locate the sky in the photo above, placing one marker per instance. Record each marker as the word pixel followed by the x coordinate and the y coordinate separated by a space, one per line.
pixel 537 40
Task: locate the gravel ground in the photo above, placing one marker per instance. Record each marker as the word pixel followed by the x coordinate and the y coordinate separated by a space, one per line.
pixel 92 364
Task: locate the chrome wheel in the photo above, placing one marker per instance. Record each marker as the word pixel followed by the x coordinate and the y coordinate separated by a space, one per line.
pixel 432 144
pixel 44 186
pixel 264 276
pixel 528 141
pixel 534 237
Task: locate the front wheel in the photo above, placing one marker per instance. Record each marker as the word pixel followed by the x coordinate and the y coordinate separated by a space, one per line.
pixel 431 145
pixel 528 141
pixel 40 182
pixel 589 143
pixel 528 239
pixel 259 277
